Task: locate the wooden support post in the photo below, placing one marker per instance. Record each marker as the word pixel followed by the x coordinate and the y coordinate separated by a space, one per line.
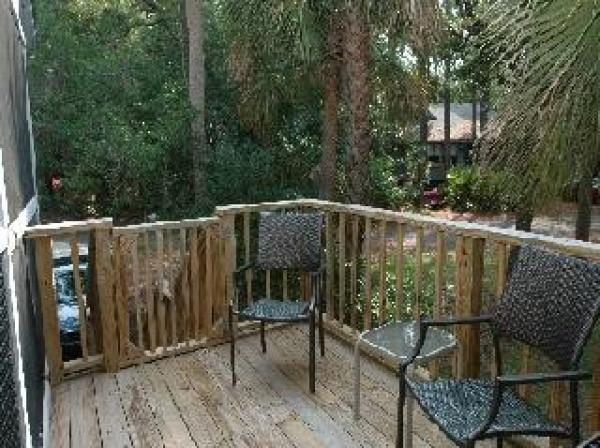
pixel 440 286
pixel 195 284
pixel 354 273
pixel 106 299
pixel 470 252
pixel 329 265
pixel 247 256
pixel 382 271
pixel 418 272
pixel 121 295
pixel 150 311
pixel 79 294
pixel 185 285
pixel 401 229
pixel 135 266
pixel 207 309
pixel 367 307
pixel 160 302
pixel 229 252
pixel 44 263
pixel 342 268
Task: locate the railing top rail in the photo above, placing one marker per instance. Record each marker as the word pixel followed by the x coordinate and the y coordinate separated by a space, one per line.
pixel 166 225
pixel 67 227
pixel 509 236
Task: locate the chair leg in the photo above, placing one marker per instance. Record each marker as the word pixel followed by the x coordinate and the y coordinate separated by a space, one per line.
pixel 263 342
pixel 232 347
pixel 400 414
pixel 312 366
pixel 321 333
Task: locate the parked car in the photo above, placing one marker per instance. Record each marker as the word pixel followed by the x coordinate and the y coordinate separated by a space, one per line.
pixel 433 198
pixel 68 308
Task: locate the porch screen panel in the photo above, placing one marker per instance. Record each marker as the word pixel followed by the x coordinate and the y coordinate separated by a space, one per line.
pixel 9 410
pixel 14 129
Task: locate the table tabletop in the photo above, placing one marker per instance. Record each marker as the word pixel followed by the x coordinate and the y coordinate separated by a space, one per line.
pixel 398 340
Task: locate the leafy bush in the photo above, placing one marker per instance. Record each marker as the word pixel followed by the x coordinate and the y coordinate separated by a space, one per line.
pixel 468 190
pixel 385 191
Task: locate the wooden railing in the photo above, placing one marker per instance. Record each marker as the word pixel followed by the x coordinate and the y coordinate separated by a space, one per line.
pixel 159 289
pixel 148 291
pixel 384 265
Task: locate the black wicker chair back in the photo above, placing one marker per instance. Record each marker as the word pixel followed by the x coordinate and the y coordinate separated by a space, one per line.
pixel 289 241
pixel 551 302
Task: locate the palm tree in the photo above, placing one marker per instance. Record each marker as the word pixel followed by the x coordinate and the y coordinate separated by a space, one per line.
pixel 547 132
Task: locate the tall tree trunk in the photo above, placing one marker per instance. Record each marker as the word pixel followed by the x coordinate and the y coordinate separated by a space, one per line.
pixel 424 118
pixel 331 80
pixel 357 62
pixel 584 207
pixel 447 104
pixel 196 76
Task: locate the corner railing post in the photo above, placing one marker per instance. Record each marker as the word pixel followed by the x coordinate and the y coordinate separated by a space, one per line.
pixel 103 289
pixel 228 242
pixel 469 268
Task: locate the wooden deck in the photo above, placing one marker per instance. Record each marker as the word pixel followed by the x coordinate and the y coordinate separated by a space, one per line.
pixel 188 401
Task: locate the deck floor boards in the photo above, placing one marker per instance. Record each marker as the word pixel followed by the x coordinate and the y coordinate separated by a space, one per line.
pixel 188 401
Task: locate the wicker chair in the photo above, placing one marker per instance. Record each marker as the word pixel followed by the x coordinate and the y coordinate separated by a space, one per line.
pixel 552 303
pixel 290 241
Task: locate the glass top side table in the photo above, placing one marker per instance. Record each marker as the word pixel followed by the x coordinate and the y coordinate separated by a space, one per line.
pixel 396 341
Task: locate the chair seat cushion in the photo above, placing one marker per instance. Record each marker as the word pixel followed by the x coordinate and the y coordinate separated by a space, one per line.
pixel 276 310
pixel 459 408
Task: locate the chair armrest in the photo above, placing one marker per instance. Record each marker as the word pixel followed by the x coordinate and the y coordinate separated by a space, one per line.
pixel 540 378
pixel 243 268
pixel 504 381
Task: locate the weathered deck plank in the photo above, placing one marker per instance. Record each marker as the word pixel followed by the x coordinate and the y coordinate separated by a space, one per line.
pixel 188 401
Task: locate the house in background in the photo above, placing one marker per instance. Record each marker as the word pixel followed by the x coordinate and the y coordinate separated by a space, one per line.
pixel 465 128
pixel 22 359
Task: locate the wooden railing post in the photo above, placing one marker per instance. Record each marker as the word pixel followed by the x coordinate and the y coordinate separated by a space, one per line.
pixel 103 280
pixel 43 261
pixel 228 242
pixel 469 265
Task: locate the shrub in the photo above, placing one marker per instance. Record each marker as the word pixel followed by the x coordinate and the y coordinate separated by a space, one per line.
pixel 468 190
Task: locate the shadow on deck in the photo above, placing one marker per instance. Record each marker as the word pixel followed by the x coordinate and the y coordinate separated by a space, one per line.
pixel 188 401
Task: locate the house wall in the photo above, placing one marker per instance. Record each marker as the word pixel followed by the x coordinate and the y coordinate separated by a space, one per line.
pixel 22 372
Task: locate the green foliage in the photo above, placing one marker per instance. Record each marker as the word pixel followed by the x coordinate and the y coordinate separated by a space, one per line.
pixel 470 190
pixel 383 176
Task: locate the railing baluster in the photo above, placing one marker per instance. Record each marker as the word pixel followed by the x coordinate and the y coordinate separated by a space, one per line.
pixel 367 306
pixel 382 271
pixel 160 303
pixel 354 273
pixel 418 271
pixel 268 283
pixel 122 294
pixel 342 267
pixel 135 266
pixel 207 311
pixel 329 264
pixel 185 286
pixel 79 294
pixel 284 286
pixel 43 261
pixel 150 309
pixel 401 229
pixel 556 414
pixel 171 276
pixel 501 275
pixel 195 283
pixel 440 286
pixel 247 256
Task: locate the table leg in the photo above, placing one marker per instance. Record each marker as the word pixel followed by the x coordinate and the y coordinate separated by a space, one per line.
pixel 410 407
pixel 357 380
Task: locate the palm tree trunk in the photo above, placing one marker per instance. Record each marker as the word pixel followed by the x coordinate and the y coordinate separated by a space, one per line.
pixel 331 100
pixel 584 207
pixel 357 61
pixel 196 90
